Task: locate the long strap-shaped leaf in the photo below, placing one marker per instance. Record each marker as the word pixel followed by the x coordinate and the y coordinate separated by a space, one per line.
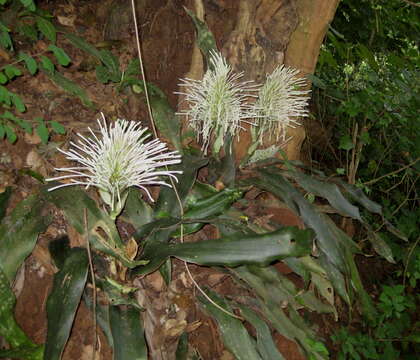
pixel 22 346
pixel 260 249
pixel 234 334
pixel 336 247
pixel 19 232
pixel 63 301
pixel 127 333
pixel 73 201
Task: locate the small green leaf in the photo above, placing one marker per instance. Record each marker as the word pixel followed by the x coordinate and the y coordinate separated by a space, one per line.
pixel 42 131
pixel 2 132
pixel 365 138
pixel 5 39
pixel 30 63
pixel 3 78
pixel 10 134
pixel 12 71
pixel 346 143
pixel 62 58
pixel 29 31
pixel 17 101
pixel 47 64
pixel 29 4
pixel 5 96
pixel 46 28
pixel 83 45
pixel 71 87
pixel 57 127
pixel 102 74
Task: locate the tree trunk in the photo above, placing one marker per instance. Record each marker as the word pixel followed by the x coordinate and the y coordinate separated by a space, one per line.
pixel 269 33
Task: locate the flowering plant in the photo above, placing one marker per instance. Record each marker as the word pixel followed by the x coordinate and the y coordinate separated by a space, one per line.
pixel 280 103
pixel 119 159
pixel 217 103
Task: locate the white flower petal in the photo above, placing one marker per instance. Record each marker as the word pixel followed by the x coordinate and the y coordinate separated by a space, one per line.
pixel 117 159
pixel 280 103
pixel 217 102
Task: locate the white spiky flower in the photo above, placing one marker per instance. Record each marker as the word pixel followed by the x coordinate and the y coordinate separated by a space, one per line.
pixel 217 102
pixel 116 160
pixel 281 101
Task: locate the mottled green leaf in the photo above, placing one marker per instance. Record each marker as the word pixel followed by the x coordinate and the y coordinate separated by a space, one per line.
pixel 128 333
pixel 103 234
pixel 136 210
pixel 9 329
pixel 232 250
pixel 265 344
pixel 168 124
pixel 63 302
pixel 329 191
pixel 19 232
pixel 205 39
pixel 381 247
pixel 234 334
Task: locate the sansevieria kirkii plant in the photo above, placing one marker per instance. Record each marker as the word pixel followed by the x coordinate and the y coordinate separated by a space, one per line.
pixel 119 158
pixel 218 103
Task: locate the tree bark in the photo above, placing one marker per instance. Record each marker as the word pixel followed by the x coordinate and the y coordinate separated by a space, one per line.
pixel 269 33
pixel 303 50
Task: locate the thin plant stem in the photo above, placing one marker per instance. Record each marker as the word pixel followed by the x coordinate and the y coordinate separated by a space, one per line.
pixel 181 208
pixel 370 182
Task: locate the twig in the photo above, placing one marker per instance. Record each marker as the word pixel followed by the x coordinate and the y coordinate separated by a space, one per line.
pixel 146 93
pixel 411 3
pixel 370 182
pixel 92 275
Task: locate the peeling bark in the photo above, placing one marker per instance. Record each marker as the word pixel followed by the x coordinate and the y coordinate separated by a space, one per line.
pixel 269 33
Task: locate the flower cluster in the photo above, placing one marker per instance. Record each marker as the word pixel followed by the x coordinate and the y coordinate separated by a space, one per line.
pixel 116 160
pixel 280 103
pixel 217 102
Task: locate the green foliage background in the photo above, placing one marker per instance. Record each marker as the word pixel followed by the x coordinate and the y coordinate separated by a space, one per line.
pixel 367 93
